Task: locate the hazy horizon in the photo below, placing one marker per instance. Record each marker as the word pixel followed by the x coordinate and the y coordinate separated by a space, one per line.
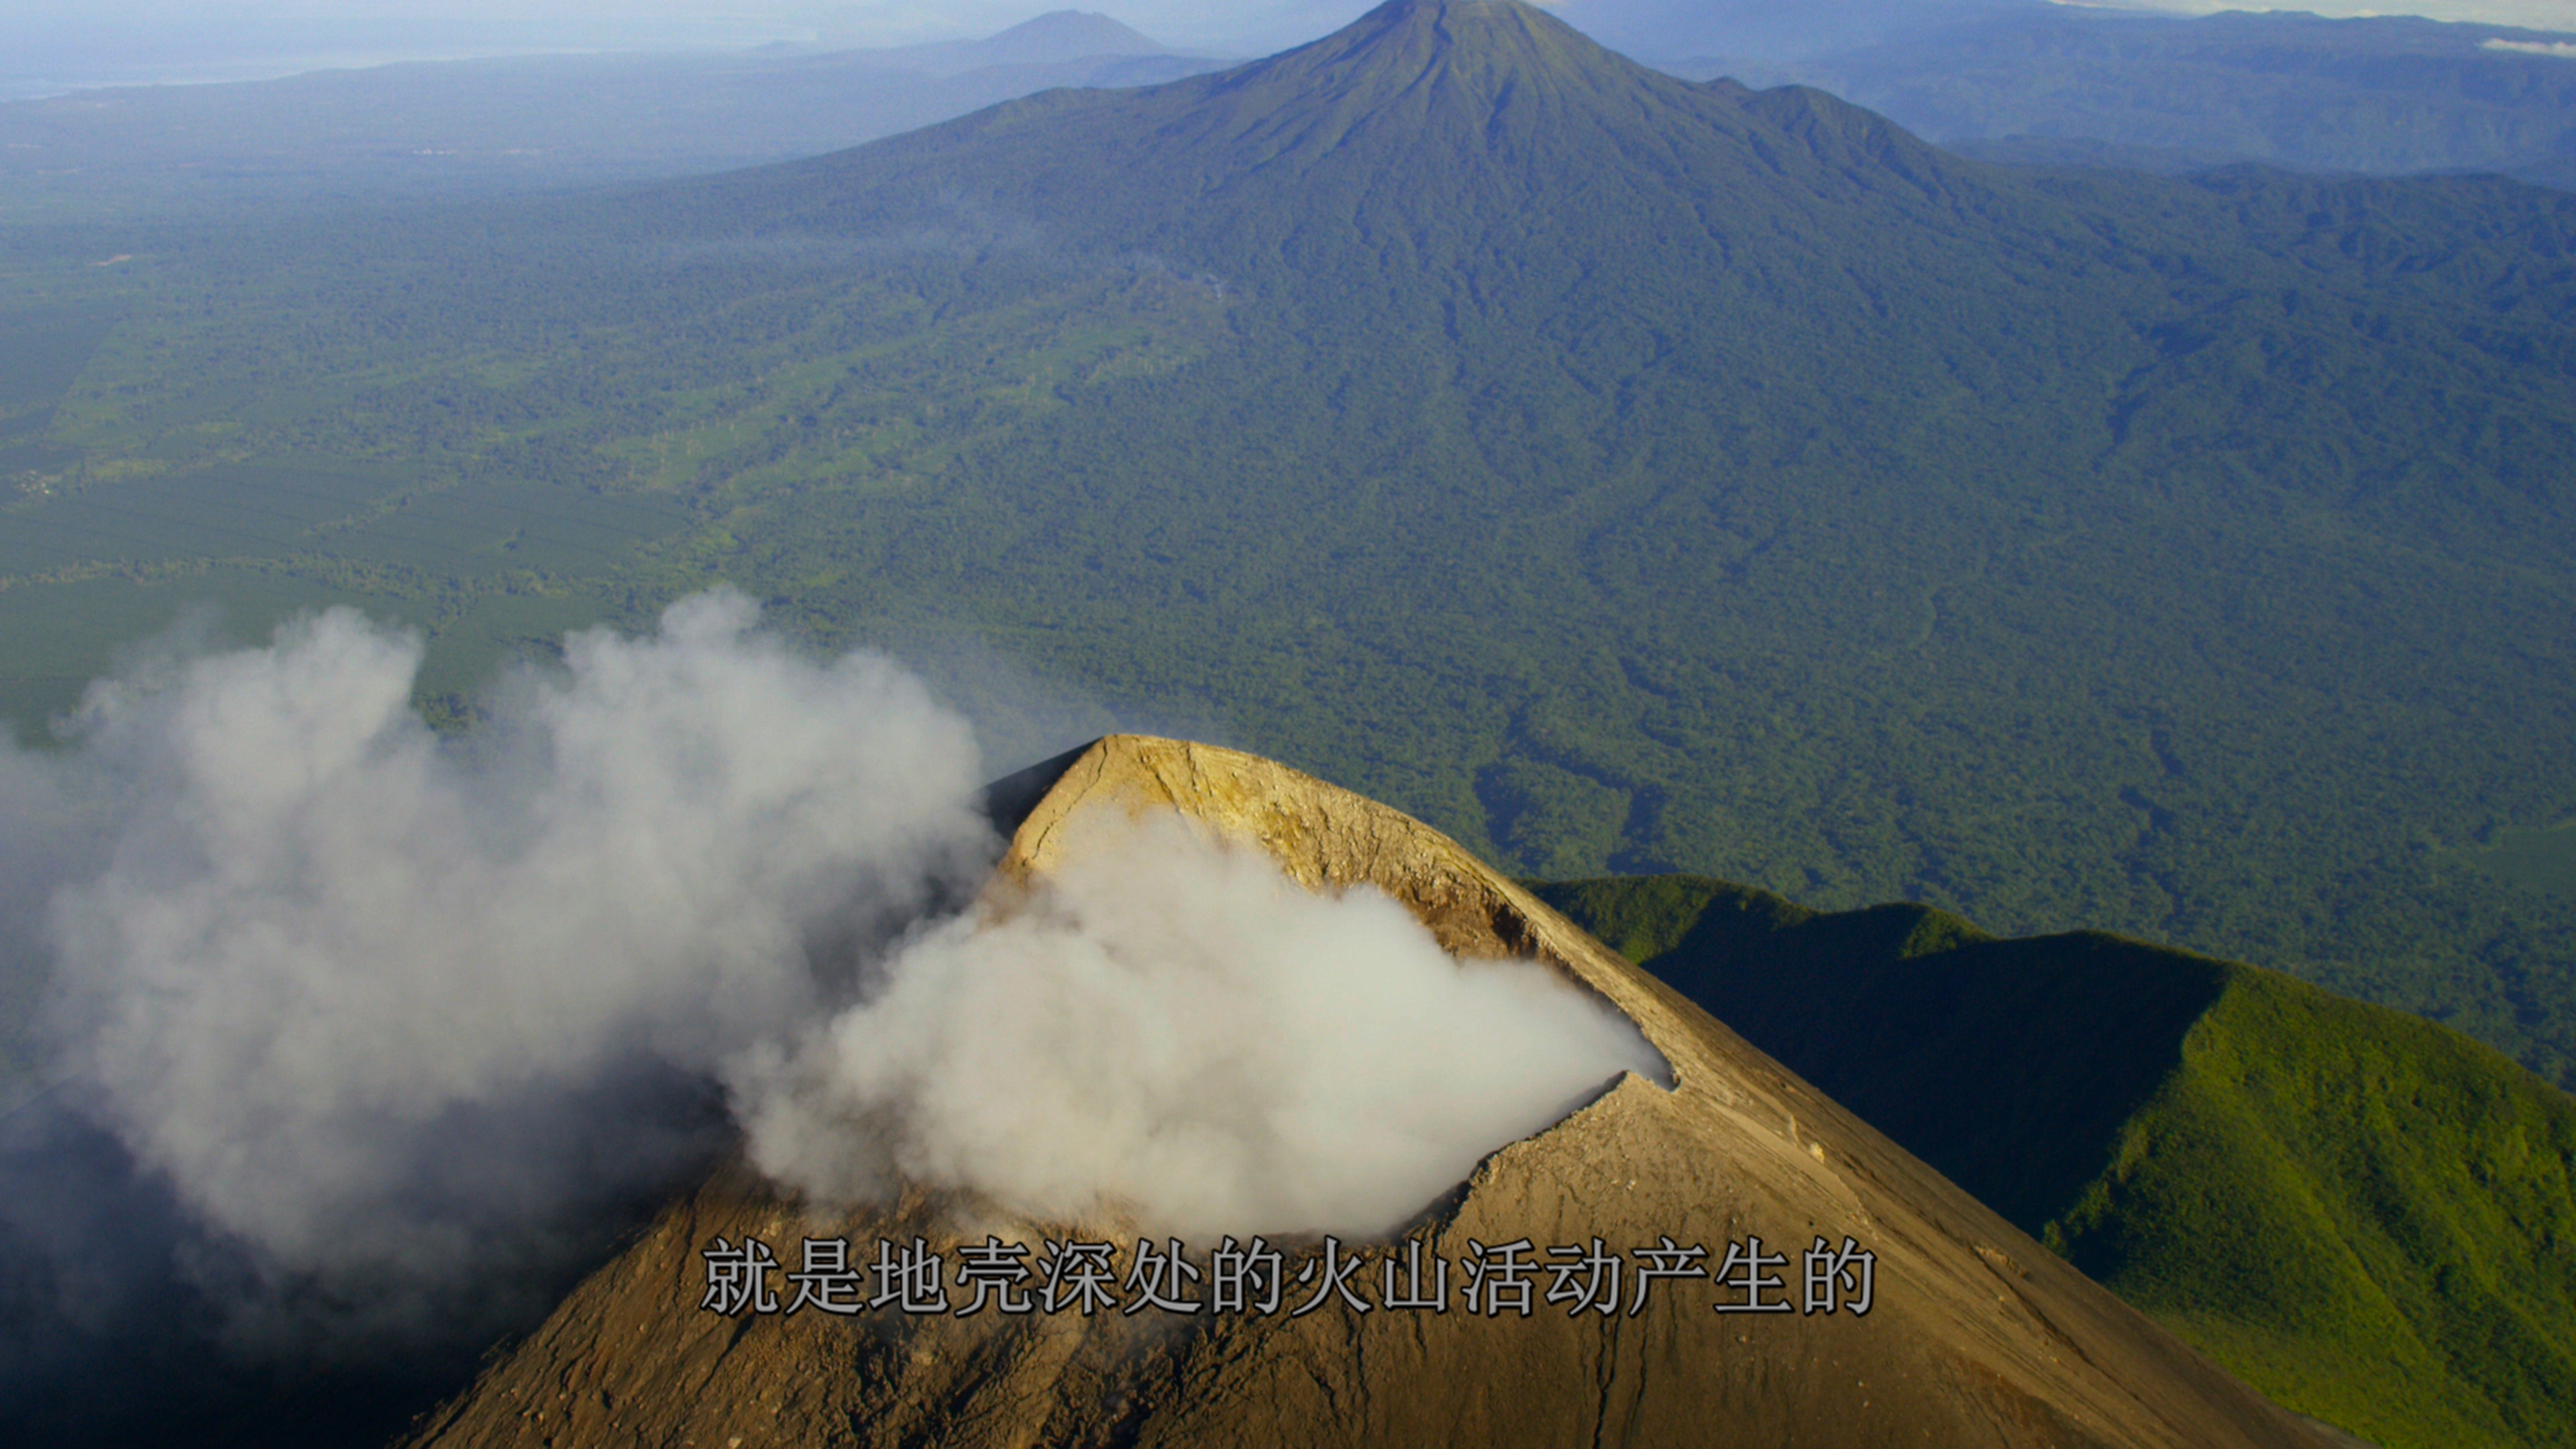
pixel 62 47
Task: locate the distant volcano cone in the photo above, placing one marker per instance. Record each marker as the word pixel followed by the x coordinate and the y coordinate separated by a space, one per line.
pixel 1976 1334
pixel 1450 145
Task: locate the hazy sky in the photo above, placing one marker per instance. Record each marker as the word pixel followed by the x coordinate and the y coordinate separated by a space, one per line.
pixel 2537 14
pixel 500 23
pixel 516 22
pixel 79 42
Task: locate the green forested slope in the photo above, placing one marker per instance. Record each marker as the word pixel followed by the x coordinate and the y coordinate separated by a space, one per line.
pixel 2368 1217
pixel 1616 472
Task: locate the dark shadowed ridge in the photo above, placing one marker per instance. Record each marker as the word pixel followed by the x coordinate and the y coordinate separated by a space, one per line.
pixel 2361 1212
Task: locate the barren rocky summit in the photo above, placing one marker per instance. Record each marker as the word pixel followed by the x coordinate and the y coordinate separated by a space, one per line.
pixel 1976 1335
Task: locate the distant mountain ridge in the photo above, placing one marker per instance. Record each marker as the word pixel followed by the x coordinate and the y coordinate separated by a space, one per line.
pixel 1057 36
pixel 1495 85
pixel 528 123
pixel 2381 95
pixel 1660 31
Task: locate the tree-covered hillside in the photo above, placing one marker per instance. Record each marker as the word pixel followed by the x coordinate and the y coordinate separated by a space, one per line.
pixel 2366 1216
pixel 1615 471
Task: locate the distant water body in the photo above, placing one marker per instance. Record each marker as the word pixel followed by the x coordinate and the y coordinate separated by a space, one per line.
pixel 63 65
pixel 36 84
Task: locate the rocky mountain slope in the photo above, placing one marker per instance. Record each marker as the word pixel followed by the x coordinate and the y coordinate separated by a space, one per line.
pixel 1976 1334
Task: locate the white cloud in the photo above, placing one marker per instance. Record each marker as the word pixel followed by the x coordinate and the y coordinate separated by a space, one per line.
pixel 399 1021
pixel 1177 1030
pixel 336 978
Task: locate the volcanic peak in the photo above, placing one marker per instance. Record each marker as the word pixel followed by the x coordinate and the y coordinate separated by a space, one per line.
pixel 1487 45
pixel 1064 35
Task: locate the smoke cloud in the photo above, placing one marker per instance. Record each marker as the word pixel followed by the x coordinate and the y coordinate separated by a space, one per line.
pixel 382 1009
pixel 1176 1029
pixel 372 1030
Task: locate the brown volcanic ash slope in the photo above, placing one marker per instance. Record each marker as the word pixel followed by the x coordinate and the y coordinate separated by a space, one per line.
pixel 1978 1335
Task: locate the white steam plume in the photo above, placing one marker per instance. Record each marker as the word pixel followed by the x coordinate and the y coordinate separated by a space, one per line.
pixel 354 992
pixel 387 1015
pixel 1177 1029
